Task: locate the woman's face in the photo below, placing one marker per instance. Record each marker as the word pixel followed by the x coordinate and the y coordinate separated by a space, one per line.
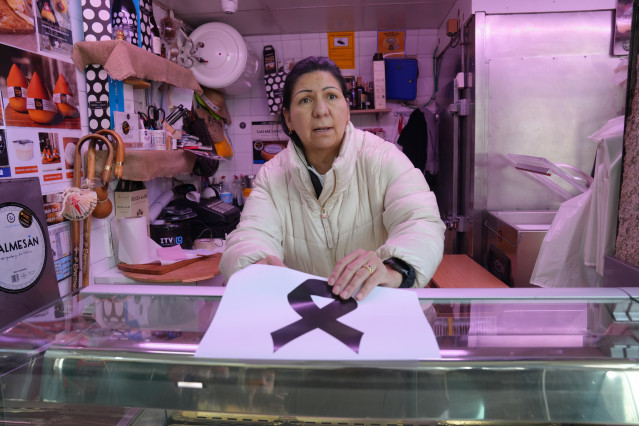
pixel 318 112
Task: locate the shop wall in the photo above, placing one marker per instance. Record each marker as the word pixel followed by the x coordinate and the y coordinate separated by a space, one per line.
pixel 252 106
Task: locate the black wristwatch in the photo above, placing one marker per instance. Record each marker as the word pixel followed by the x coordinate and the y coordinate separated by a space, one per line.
pixel 407 271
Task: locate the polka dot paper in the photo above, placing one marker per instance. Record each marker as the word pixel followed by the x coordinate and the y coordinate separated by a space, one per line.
pixel 96 21
pixel 274 84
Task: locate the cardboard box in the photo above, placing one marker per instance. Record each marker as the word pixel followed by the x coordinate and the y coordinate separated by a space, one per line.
pixel 26 260
pixel 379 84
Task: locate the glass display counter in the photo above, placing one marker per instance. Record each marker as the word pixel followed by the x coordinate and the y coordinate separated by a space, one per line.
pixel 508 356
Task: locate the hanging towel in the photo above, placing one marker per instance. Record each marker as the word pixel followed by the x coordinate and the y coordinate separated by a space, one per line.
pixel 414 139
pixel 432 145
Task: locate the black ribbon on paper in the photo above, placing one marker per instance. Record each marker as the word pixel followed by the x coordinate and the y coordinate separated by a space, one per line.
pixel 313 317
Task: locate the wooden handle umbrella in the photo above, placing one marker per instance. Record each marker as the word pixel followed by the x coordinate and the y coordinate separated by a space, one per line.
pixel 118 144
pixel 75 226
pixel 104 207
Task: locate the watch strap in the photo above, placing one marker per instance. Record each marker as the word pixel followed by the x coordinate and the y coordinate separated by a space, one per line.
pixel 407 271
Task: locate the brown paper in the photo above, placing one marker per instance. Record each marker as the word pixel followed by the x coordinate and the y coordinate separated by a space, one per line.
pixel 123 60
pixel 144 165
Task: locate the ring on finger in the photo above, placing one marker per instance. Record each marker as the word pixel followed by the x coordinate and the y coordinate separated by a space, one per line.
pixel 369 269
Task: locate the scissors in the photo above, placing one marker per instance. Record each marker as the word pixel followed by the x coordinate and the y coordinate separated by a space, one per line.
pixel 154 117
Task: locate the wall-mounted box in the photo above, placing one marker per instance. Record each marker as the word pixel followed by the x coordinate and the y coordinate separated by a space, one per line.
pixel 401 79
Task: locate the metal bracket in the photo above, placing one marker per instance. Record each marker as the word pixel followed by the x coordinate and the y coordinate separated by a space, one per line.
pixel 457 223
pixel 462 107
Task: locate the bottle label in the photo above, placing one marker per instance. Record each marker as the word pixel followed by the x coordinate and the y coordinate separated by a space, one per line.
pixel 98 105
pixel 227 197
pixel 17 92
pixel 41 104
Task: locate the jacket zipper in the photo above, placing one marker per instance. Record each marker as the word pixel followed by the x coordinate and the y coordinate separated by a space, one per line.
pixel 326 224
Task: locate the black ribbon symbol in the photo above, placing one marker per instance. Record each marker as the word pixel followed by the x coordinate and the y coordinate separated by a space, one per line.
pixel 313 317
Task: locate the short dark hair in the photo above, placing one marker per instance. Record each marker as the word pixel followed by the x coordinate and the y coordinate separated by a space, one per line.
pixel 305 66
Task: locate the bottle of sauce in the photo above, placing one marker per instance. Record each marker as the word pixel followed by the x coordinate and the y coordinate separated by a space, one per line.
pixel 270 65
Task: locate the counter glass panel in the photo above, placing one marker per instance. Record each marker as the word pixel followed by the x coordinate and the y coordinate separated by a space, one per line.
pixel 507 357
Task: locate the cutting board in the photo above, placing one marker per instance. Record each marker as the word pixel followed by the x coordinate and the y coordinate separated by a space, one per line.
pixel 156 268
pixel 461 271
pixel 199 269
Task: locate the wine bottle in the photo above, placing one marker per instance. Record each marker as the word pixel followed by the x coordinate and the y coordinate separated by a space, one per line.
pixel 359 93
pixel 366 96
pixel 349 92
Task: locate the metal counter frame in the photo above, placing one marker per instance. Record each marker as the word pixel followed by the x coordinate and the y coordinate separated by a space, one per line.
pixel 509 356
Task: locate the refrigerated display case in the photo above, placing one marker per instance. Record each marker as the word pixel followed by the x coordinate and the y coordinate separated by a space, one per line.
pixel 114 355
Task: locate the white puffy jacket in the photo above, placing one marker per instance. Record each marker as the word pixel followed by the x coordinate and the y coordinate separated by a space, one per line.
pixel 373 198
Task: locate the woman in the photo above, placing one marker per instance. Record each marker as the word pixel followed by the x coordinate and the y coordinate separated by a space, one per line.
pixel 338 201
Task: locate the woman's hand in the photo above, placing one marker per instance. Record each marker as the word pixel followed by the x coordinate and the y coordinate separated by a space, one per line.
pixel 271 260
pixel 361 270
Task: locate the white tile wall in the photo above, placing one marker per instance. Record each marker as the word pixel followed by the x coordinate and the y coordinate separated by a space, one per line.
pixel 251 106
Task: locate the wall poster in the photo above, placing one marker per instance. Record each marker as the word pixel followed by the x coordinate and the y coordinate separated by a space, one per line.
pixel 38 153
pixel 5 170
pixel 341 49
pixel 268 140
pixel 38 91
pixel 392 44
pixel 54 26
pixel 17 26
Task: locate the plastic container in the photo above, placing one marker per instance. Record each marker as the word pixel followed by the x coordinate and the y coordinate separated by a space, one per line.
pixel 226 193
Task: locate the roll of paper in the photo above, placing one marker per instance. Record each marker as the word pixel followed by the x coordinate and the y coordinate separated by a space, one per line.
pixel 133 244
pixel 159 204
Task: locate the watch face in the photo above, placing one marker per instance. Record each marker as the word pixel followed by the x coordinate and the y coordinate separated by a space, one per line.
pixel 23 253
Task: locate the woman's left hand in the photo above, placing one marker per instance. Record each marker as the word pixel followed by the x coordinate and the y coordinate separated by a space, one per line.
pixel 361 270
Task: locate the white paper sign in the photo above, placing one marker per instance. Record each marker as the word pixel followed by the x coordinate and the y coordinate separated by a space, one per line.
pixel 256 304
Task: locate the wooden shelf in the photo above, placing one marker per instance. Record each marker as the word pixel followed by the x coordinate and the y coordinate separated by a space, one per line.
pixel 377 112
pixel 369 111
